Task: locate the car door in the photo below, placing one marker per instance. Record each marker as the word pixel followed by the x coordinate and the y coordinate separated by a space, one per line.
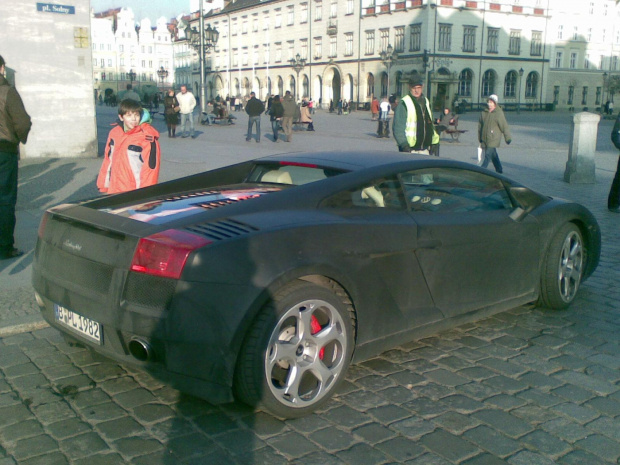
pixel 472 253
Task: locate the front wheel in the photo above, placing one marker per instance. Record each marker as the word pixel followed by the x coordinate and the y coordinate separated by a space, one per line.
pixel 297 351
pixel 563 268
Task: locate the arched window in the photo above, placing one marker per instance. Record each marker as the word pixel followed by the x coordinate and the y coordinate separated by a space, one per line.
pixel 280 86
pixel 488 83
pixel 293 86
pixel 384 84
pixel 269 85
pixel 399 83
pixel 465 79
pixel 531 85
pixel 510 84
pixel 370 85
pixel 306 86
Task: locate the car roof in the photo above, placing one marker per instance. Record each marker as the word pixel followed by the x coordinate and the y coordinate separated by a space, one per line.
pixel 342 159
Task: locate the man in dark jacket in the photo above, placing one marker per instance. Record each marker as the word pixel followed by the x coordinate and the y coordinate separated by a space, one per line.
pixel 14 128
pixel 254 108
pixel 613 201
pixel 290 111
pixel 491 127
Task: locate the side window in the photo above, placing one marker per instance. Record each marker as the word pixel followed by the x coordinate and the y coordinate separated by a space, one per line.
pixel 381 193
pixel 454 190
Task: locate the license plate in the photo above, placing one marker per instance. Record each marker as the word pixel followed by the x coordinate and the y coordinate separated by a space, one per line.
pixel 88 328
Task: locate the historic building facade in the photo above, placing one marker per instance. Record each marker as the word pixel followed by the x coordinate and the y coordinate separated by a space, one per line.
pixel 531 53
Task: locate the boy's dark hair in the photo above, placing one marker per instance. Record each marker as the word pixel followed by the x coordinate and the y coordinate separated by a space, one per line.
pixel 128 105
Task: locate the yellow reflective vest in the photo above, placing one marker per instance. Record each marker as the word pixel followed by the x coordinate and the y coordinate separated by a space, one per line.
pixel 411 127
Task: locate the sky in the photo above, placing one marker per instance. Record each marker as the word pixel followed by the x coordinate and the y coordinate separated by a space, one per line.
pixel 152 9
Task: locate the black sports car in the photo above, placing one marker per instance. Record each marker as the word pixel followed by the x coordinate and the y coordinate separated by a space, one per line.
pixel 264 280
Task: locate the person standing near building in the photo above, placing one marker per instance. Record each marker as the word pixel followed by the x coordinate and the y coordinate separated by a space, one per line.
pixel 613 201
pixel 14 128
pixel 171 112
pixel 491 126
pixel 276 112
pixel 290 109
pixel 187 103
pixel 131 94
pixel 413 128
pixel 254 108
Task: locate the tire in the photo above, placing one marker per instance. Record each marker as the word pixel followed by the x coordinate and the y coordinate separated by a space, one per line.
pixel 297 351
pixel 563 268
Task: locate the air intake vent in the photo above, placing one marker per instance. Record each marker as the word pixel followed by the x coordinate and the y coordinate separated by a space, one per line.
pixel 221 230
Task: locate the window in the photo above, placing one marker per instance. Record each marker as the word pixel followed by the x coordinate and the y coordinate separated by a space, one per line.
pixel 444 190
pixel 109 62
pixel 332 47
pixel 536 45
pixel 348 44
pixel 244 56
pixel 304 13
pixel 266 51
pixel 558 59
pixel 291 50
pixel 278 52
pixel 599 91
pixel 469 38
pixel 384 39
pixel 584 96
pixel 370 42
pixel 370 85
pixel 531 85
pixel 233 27
pixel 254 24
pixel 266 22
pixel 560 32
pixel 102 62
pixel 350 7
pixel 591 10
pixel 244 26
pixel 445 37
pixel 290 16
pixel 510 84
pixel 399 39
pixel 415 36
pixel 318 47
pixel 318 10
pixel 514 46
pixel 333 9
pixel 304 48
pixel 571 94
pixel 278 18
pixel 465 80
pixel 235 57
pixel 488 83
pixel 380 193
pixel 121 48
pixel 492 40
pixel 573 60
pixel 556 93
pixel 586 63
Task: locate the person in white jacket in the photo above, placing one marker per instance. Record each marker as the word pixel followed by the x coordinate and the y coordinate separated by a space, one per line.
pixel 187 102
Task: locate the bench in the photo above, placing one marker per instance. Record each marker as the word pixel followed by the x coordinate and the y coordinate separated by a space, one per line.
pixel 300 124
pixel 453 129
pixel 217 120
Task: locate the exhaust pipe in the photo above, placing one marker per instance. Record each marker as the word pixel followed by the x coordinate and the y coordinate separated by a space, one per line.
pixel 140 350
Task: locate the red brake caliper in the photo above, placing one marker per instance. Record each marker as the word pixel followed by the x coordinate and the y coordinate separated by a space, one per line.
pixel 315 327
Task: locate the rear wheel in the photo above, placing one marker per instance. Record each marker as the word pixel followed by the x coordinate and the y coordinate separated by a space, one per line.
pixel 563 268
pixel 297 351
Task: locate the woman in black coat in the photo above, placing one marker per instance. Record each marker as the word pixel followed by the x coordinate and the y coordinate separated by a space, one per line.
pixel 276 111
pixel 172 116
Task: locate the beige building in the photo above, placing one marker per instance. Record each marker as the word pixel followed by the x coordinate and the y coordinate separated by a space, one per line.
pixel 531 53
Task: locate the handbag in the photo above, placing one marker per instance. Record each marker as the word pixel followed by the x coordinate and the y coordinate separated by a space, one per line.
pixel 480 152
pixel 177 109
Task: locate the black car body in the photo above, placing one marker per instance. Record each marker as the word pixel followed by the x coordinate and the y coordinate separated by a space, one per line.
pixel 192 279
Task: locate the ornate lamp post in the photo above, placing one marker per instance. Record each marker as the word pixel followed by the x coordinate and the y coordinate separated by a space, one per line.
pixel 388 57
pixel 202 41
pixel 132 77
pixel 298 63
pixel 163 74
pixel 519 99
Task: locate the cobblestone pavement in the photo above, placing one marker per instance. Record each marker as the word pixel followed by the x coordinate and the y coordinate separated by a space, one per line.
pixel 525 387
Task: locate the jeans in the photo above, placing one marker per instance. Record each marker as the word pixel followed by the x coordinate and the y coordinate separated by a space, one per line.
pixel 8 199
pixel 208 119
pixel 185 117
pixel 384 115
pixel 490 155
pixel 275 125
pixel 253 120
pixel 613 201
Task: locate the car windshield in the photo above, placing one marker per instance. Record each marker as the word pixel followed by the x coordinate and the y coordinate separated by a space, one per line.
pixel 296 174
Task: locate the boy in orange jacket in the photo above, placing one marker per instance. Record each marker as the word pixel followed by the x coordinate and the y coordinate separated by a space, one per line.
pixel 132 154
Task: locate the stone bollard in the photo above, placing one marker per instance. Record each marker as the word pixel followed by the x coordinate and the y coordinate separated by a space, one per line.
pixel 580 165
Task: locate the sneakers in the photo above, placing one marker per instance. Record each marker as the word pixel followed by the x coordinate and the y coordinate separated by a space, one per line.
pixel 12 253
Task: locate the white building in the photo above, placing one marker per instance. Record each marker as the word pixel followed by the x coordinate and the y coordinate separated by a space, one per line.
pixel 531 53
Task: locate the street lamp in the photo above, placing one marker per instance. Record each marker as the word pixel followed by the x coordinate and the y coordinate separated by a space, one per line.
pixel 132 77
pixel 388 57
pixel 202 41
pixel 425 66
pixel 298 63
pixel 519 99
pixel 604 85
pixel 163 74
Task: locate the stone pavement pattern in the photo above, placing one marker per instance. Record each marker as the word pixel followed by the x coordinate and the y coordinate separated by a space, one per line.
pixel 527 386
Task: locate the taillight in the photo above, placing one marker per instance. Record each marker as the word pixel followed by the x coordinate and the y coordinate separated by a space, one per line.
pixel 165 253
pixel 42 225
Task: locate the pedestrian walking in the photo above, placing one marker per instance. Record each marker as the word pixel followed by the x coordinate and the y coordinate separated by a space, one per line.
pixel 413 128
pixel 254 108
pixel 276 112
pixel 171 112
pixel 15 125
pixel 374 108
pixel 132 154
pixel 339 106
pixel 305 116
pixel 187 103
pixel 290 110
pixel 384 107
pixel 491 126
pixel 613 201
